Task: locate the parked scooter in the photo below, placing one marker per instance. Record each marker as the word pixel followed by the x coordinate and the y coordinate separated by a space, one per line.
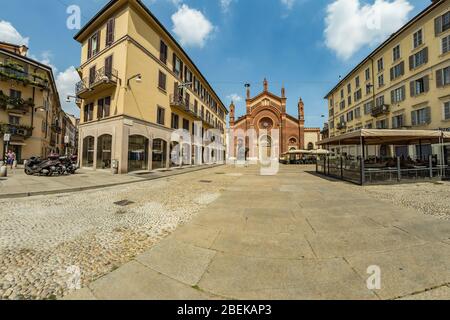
pixel 53 165
pixel 36 165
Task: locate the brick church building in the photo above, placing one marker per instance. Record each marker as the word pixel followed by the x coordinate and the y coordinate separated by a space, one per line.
pixel 268 111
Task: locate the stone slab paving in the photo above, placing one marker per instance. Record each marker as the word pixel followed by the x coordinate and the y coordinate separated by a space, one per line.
pixel 290 236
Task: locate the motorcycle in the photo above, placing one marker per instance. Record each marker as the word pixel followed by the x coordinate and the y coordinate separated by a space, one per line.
pixel 36 165
pixel 68 164
pixel 53 165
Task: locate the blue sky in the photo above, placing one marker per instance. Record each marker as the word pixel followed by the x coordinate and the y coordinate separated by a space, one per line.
pixel 303 44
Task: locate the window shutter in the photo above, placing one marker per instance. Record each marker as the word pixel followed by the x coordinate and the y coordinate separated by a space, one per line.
pixel 412 88
pixel 439 82
pixel 403 92
pixel 175 89
pixel 413 118
pixel 394 122
pixel 174 59
pixel 392 96
pixel 428 114
pixel 89 48
pixel 437 25
pixel 426 83
pixel 181 70
pixel 402 68
pixel 392 73
pixel 110 32
pixel 99 109
pixel 411 62
pixel 447 111
pixel 425 55
pixel 98 42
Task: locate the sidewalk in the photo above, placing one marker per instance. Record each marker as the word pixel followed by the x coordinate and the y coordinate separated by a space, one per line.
pixel 18 184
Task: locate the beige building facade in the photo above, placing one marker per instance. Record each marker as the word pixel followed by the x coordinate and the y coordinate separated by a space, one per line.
pixel 402 84
pixel 30 110
pixel 137 88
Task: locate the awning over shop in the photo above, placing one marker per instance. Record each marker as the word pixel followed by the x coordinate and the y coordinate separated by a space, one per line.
pixel 387 136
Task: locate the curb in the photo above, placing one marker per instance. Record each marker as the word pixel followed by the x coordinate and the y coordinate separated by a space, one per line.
pixel 77 189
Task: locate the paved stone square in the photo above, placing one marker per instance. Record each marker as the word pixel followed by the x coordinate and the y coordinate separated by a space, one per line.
pixel 228 233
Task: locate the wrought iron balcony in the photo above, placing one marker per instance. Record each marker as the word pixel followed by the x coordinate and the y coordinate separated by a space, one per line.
pixel 103 79
pixel 179 102
pixel 341 125
pixel 379 110
pixel 16 130
pixel 12 72
pixel 16 104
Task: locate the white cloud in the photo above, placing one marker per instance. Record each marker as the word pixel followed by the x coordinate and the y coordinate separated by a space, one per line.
pixel 234 97
pixel 45 58
pixel 65 82
pixel 288 3
pixel 350 25
pixel 9 34
pixel 191 27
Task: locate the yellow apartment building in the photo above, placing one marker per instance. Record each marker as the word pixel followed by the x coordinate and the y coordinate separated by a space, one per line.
pixel 137 87
pixel 403 84
pixel 30 110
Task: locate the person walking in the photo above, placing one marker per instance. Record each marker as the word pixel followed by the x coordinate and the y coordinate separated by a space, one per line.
pixel 9 158
pixel 13 160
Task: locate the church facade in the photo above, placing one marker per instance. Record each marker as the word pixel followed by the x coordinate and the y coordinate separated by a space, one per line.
pixel 265 112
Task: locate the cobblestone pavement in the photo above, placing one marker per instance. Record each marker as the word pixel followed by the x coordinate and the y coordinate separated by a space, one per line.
pixel 46 240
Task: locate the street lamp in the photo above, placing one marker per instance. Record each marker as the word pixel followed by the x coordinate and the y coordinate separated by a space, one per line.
pixel 138 78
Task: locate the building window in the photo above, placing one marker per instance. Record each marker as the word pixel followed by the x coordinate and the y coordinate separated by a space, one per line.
pixel 421 116
pixel 382 124
pixel 447 110
pixel 398 70
pixel 396 53
pixel 175 121
pixel 445 44
pixel 398 95
pixel 397 121
pixel 94 45
pixel 368 89
pixel 162 80
pixel 110 32
pixel 368 125
pixel 380 80
pixel 14 120
pixel 103 107
pixel 177 66
pixel 160 114
pixel 417 38
pixel 342 93
pixel 15 94
pixel 342 105
pixel 186 124
pixel 418 59
pixel 349 88
pixel 357 81
pixel 379 101
pixel 358 95
pixel 349 116
pixel 92 75
pixel 163 52
pixel 368 107
pixel 367 73
pixel 349 100
pixel 380 65
pixel 442 23
pixel 89 112
pixel 419 86
pixel 443 77
pixel 358 112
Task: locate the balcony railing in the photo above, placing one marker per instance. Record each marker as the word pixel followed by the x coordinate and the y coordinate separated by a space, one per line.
pixel 16 130
pixel 341 125
pixel 12 72
pixel 102 76
pixel 16 104
pixel 180 102
pixel 379 110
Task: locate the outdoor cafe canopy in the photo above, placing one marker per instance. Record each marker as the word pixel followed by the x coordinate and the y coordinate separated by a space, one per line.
pixel 387 136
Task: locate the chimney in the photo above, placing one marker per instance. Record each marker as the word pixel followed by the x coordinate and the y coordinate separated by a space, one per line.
pixel 23 50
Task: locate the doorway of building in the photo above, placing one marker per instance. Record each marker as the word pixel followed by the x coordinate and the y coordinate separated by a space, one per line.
pixel 159 154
